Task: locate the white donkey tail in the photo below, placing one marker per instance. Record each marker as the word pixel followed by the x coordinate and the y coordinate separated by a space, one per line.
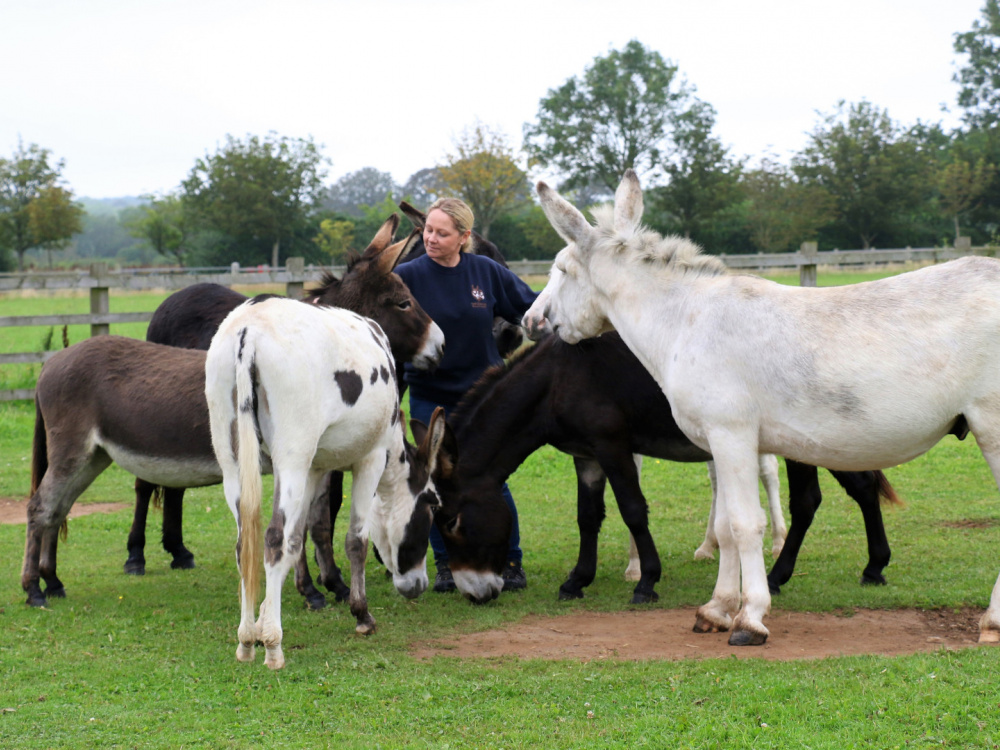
pixel 248 458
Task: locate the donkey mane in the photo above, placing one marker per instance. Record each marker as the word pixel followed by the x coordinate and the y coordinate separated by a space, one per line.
pixel 491 378
pixel 673 253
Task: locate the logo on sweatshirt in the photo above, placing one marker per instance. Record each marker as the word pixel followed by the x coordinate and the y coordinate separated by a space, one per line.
pixel 479 296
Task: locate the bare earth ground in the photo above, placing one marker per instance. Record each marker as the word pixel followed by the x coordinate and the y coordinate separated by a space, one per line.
pixel 15 511
pixel 665 634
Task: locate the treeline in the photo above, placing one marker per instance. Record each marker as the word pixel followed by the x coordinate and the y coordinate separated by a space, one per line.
pixel 863 179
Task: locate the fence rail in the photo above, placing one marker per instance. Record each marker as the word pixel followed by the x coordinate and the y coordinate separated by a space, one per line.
pixel 100 280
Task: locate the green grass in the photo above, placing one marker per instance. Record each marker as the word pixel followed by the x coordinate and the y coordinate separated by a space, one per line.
pixel 149 662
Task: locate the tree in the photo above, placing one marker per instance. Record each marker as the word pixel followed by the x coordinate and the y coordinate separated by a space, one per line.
pixel 335 238
pixel 365 187
pixel 980 78
pixel 875 174
pixel 781 212
pixel 423 188
pixel 961 184
pixel 164 226
pixel 35 211
pixel 483 172
pixel 261 190
pixel 702 179
pixel 620 114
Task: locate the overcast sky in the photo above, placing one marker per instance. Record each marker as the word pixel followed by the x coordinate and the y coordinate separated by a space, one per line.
pixel 131 92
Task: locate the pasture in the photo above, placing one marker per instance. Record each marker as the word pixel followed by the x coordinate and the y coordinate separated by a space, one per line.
pixel 149 662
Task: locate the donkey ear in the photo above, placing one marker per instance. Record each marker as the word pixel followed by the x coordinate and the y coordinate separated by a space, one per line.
pixel 434 440
pixel 382 237
pixel 564 217
pixel 451 527
pixel 391 256
pixel 419 430
pixel 415 215
pixel 628 203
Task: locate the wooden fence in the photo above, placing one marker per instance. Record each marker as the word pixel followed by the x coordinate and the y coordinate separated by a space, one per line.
pixel 100 280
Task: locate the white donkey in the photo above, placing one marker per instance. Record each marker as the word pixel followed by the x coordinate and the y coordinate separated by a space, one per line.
pixel 317 386
pixel 858 377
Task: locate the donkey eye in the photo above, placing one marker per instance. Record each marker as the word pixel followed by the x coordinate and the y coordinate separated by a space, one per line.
pixel 404 305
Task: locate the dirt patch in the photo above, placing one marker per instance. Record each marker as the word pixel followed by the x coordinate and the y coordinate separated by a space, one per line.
pixel 971 523
pixel 16 511
pixel 666 635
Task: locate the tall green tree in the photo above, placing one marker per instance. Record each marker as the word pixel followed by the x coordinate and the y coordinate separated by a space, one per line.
pixel 257 191
pixel 35 210
pixel 702 179
pixel 781 212
pixel 364 187
pixel 979 78
pixel 961 186
pixel 876 175
pixel 483 171
pixel 620 114
pixel 162 223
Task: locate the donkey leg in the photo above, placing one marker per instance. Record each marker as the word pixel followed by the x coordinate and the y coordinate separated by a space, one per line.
pixel 366 475
pixel 768 472
pixel 284 541
pixel 623 475
pixel 47 511
pixel 321 531
pixel 314 600
pixel 136 563
pixel 985 426
pixel 590 482
pixel 633 571
pixel 246 632
pixel 804 498
pixel 863 488
pixel 706 551
pixel 173 522
pixel 737 463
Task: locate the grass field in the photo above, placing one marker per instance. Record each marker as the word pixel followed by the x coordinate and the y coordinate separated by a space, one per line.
pixel 149 662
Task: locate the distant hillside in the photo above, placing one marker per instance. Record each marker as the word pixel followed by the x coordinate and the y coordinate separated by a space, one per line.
pixel 109 206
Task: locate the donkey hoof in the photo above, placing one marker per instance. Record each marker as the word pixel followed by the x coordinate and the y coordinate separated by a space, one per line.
pixel 643 598
pixel 183 562
pixel 989 636
pixel 365 626
pixel 55 592
pixel 873 580
pixel 36 600
pixel 774 588
pixel 703 625
pixel 568 594
pixel 274 658
pixel 135 567
pixel 747 638
pixel 245 653
pixel 315 602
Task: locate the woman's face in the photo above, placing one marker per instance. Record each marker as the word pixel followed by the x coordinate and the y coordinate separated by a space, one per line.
pixel 442 240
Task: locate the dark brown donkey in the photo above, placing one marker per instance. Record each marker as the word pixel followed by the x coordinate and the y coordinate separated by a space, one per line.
pixel 142 405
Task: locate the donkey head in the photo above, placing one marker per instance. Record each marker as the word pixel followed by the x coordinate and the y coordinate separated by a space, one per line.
pixel 400 525
pixel 370 288
pixel 576 306
pixel 475 524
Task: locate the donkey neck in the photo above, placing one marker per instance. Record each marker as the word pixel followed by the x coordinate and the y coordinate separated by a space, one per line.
pixel 504 423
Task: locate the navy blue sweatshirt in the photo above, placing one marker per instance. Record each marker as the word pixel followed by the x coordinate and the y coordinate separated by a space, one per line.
pixel 463 301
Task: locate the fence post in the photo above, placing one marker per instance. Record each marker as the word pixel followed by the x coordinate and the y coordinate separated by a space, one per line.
pixel 807 271
pixel 99 298
pixel 295 267
pixel 963 245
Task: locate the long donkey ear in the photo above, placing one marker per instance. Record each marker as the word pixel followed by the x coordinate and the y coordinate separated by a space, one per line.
pixel 415 215
pixel 382 237
pixel 564 217
pixel 433 442
pixel 628 203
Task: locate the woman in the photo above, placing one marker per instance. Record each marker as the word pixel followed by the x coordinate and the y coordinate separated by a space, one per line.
pixel 462 292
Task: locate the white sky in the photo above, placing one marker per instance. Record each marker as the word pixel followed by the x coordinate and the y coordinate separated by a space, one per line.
pixel 131 92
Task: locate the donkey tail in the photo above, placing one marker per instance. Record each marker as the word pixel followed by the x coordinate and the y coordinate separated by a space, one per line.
pixel 248 458
pixel 886 494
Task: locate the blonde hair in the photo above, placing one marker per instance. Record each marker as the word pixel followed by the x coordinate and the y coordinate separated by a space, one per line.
pixel 460 214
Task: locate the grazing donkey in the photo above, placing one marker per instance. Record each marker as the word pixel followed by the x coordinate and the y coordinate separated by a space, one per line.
pixel 857 377
pixel 190 317
pixel 316 386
